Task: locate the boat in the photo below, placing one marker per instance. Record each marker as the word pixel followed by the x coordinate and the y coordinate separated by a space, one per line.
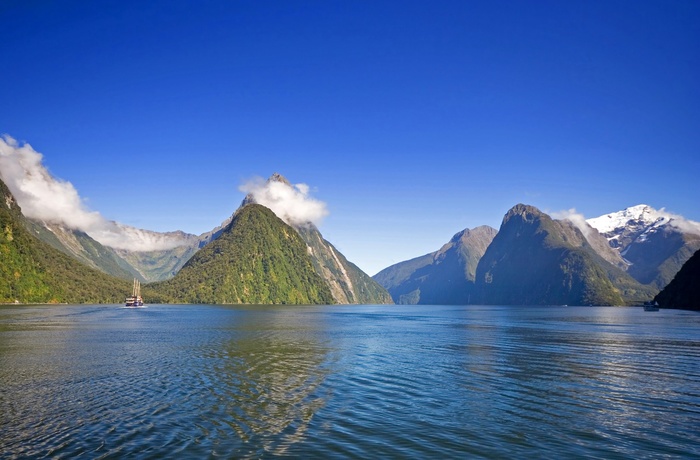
pixel 135 299
pixel 651 306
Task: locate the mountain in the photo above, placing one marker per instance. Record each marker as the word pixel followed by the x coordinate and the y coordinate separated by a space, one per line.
pixel 535 260
pixel 445 276
pixel 257 259
pixel 683 291
pixel 654 244
pixel 348 283
pixel 147 266
pixel 83 248
pixel 33 271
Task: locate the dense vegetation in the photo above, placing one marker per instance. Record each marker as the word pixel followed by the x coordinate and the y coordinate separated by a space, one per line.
pixel 32 271
pixel 257 259
pixel 684 290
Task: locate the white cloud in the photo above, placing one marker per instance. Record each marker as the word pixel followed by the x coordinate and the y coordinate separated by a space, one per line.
pixel 680 222
pixel 575 218
pixel 290 203
pixel 44 197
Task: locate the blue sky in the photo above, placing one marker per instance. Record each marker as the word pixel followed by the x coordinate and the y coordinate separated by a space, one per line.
pixel 411 120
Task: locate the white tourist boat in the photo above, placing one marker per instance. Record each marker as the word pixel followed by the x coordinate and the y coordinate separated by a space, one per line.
pixel 135 299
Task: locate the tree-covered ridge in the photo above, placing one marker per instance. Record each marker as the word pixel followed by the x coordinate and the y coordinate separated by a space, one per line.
pixel 32 271
pixel 257 259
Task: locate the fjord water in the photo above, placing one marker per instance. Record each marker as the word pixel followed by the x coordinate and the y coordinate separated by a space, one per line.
pixel 348 382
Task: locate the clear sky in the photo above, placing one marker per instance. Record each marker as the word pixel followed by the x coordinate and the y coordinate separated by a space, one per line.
pixel 411 120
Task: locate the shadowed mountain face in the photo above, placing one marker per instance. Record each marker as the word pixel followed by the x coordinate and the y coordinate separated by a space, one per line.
pixel 445 276
pixel 257 259
pixel 535 260
pixel 34 271
pixel 684 290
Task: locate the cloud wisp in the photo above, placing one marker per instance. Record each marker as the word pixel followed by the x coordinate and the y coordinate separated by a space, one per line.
pixel 664 217
pixel 44 197
pixel 576 218
pixel 680 222
pixel 291 203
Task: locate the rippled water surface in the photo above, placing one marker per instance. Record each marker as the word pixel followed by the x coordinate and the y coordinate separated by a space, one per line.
pixel 348 382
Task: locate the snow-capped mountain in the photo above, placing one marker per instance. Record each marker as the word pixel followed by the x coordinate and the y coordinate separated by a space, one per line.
pixel 654 242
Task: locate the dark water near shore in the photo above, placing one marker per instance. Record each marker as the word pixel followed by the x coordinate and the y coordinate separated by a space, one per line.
pixel 348 382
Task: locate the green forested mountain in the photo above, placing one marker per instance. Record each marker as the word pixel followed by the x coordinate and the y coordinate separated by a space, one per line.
pixel 683 291
pixel 348 284
pixel 442 277
pixel 32 271
pixel 257 259
pixel 535 260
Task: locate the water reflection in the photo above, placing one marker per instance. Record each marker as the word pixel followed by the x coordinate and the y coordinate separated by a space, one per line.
pixel 264 378
pixel 348 382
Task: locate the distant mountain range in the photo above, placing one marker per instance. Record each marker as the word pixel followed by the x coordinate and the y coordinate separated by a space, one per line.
pixel 619 258
pixel 346 282
pixel 255 257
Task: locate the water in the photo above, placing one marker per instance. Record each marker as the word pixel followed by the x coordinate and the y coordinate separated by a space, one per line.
pixel 348 382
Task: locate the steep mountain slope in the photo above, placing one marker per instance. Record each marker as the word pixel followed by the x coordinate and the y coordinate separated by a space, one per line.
pixel 158 265
pixel 654 243
pixel 83 248
pixel 257 259
pixel 148 266
pixel 348 284
pixel 535 260
pixel 33 271
pixel 683 291
pixel 445 276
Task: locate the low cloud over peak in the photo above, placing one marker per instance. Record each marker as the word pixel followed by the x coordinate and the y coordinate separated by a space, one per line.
pixel 575 218
pixel 290 202
pixel 44 197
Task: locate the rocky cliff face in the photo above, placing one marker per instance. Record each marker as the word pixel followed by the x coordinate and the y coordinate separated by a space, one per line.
pixel 348 284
